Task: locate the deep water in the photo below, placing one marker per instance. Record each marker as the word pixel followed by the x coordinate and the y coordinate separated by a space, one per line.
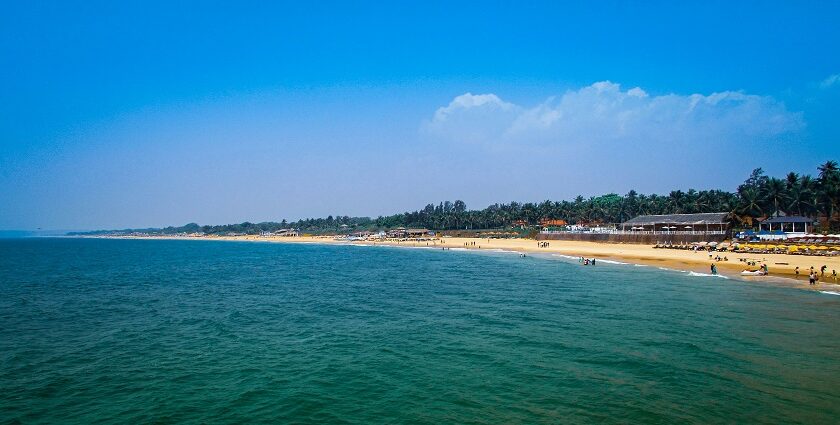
pixel 139 331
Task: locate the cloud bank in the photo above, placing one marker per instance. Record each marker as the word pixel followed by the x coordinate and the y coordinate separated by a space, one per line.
pixel 603 116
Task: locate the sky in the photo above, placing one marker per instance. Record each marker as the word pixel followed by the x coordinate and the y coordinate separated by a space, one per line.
pixel 148 114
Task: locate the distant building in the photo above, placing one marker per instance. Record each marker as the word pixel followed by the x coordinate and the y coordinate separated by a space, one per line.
pixel 417 233
pixel 553 222
pixel 401 232
pixel 286 233
pixel 520 223
pixel 789 224
pixel 780 228
pixel 672 223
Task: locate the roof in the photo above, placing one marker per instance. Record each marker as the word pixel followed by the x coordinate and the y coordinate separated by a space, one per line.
pixel 691 219
pixel 788 219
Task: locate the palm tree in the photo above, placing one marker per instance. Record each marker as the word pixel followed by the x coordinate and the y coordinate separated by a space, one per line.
pixel 775 192
pixel 750 203
pixel 676 200
pixel 829 189
pixel 829 168
pixel 792 179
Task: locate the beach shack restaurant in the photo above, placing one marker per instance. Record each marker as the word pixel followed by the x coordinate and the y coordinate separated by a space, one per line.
pixel 791 225
pixel 779 228
pixel 705 223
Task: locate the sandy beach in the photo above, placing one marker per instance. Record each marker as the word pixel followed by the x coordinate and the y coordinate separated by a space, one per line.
pixel 781 266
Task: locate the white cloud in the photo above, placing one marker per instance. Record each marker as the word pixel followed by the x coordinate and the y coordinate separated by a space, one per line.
pixel 474 118
pixel 603 115
pixel 830 81
pixel 469 101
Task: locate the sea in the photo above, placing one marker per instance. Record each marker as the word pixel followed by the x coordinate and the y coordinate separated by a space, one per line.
pixel 177 331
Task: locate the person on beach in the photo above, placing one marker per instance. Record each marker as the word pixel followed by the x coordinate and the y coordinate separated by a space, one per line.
pixel 834 274
pixel 765 269
pixel 714 269
pixel 796 271
pixel 822 270
pixel 812 278
pixel 593 261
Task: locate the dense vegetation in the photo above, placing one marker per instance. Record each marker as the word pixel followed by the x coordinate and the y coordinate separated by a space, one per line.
pixel 759 196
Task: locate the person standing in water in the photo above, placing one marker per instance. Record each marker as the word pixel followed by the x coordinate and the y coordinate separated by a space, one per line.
pixel 812 277
pixel 714 269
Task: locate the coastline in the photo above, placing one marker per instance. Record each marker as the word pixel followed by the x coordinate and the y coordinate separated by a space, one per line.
pixel 781 265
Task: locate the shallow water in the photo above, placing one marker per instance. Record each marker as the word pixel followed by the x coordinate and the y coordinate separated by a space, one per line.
pixel 196 331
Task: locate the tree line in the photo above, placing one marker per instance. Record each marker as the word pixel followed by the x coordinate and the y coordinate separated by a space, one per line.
pixel 759 196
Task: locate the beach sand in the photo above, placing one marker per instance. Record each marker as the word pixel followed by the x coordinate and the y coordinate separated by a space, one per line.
pixel 780 265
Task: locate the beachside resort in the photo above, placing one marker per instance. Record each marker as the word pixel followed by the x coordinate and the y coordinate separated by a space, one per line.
pixel 701 231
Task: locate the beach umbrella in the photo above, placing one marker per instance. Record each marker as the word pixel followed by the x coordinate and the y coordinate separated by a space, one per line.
pixel 814 247
pixel 687 227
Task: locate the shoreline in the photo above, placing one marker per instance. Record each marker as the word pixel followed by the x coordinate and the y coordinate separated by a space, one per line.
pixel 781 265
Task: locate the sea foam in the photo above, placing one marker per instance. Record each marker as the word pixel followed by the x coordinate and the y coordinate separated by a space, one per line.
pixel 695 274
pixel 610 262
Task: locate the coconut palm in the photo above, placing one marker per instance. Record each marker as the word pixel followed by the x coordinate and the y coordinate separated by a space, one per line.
pixel 829 189
pixel 775 193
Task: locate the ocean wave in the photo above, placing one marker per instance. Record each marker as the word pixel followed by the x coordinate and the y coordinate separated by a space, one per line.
pixel 610 262
pixel 502 250
pixel 695 274
pixel 673 270
pixel 831 292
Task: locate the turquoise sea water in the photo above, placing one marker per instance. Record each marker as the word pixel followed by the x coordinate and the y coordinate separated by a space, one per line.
pixel 133 331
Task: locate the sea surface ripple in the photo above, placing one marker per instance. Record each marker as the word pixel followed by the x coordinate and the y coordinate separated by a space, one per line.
pixel 139 331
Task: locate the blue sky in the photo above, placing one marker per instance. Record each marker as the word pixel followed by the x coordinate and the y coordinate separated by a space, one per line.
pixel 149 114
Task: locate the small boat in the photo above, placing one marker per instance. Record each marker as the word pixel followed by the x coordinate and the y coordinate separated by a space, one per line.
pixel 752 273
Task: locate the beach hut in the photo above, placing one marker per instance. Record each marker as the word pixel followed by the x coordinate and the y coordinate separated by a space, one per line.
pixel 714 223
pixel 417 233
pixel 792 225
